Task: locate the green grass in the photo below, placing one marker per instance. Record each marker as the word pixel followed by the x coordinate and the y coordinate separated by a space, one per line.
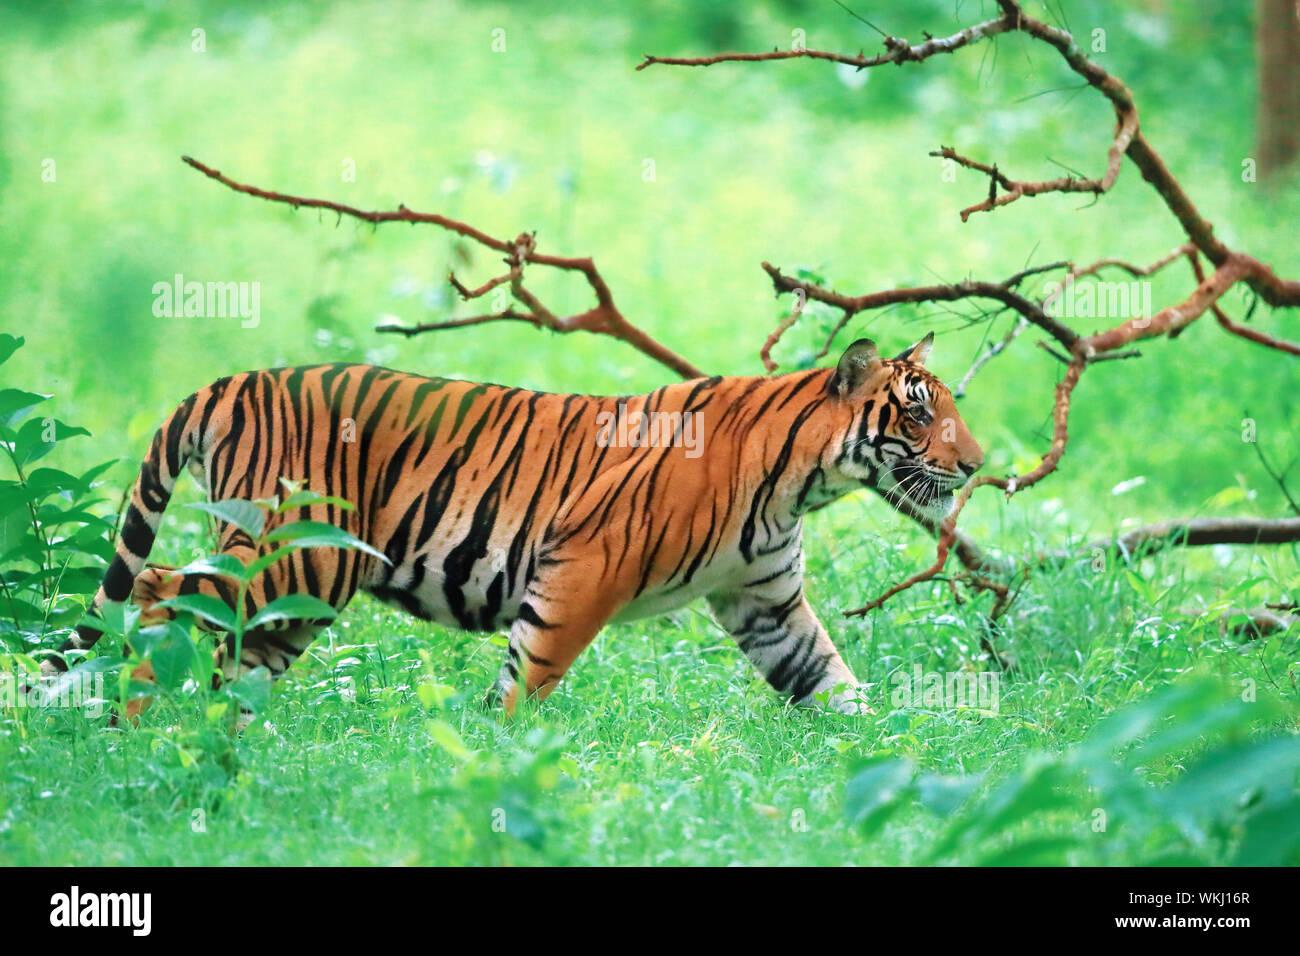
pixel 661 746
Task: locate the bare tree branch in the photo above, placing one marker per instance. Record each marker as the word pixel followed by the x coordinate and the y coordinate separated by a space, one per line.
pixel 1253 335
pixel 1128 139
pixel 1003 292
pixel 994 350
pixel 604 319
pixel 897 50
pixel 1013 189
pixel 1279 477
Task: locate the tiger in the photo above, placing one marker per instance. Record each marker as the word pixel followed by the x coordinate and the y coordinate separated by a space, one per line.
pixel 499 508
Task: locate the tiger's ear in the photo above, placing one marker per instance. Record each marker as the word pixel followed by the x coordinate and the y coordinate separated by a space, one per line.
pixel 918 353
pixel 858 363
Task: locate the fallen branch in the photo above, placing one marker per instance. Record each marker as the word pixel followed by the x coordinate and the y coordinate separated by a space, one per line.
pixel 1184 532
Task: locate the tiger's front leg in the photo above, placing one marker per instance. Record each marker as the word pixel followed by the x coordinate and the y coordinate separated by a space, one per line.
pixel 776 628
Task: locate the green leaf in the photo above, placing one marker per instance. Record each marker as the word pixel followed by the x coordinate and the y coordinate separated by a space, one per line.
pixel 15 404
pixel 432 695
pixel 31 443
pixel 1038 786
pixel 242 514
pixel 54 516
pixel 43 481
pixel 1173 856
pixel 304 498
pixel 876 790
pixel 1232 772
pixel 12 497
pixel 521 821
pixel 1145 590
pixel 292 607
pixel 446 737
pixel 25 661
pixel 89 475
pixel 943 794
pixel 222 565
pixel 212 610
pixel 77 682
pixel 203 665
pixel 253 690
pixel 28 547
pixel 9 344
pixel 147 639
pixel 174 657
pixel 268 559
pixel 75 580
pixel 1034 789
pixel 1126 726
pixel 1034 851
pixel 120 619
pixel 1181 730
pixel 1271 838
pixel 1220 500
pixel 217 710
pixel 318 534
pixel 20 609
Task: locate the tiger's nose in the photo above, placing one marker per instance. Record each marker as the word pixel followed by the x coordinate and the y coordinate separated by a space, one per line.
pixel 970 466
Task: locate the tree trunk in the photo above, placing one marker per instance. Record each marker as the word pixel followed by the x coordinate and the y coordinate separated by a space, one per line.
pixel 1278 48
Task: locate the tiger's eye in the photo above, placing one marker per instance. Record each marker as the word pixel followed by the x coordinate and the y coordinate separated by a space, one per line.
pixel 918 414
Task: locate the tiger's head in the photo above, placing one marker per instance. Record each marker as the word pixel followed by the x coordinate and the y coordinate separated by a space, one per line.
pixel 904 438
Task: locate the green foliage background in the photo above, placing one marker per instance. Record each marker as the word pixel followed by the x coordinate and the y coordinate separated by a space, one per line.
pixel 661 747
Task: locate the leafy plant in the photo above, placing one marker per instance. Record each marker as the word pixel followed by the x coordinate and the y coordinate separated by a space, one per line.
pixel 492 796
pixel 52 544
pixel 1239 791
pixel 178 650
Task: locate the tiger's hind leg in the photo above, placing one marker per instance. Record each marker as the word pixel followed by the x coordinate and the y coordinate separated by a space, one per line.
pixel 155 584
pixel 275 645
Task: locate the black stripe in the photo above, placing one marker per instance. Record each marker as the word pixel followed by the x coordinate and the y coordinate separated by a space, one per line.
pixel 137 536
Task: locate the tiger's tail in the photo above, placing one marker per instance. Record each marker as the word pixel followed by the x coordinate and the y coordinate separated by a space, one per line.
pixel 173 445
